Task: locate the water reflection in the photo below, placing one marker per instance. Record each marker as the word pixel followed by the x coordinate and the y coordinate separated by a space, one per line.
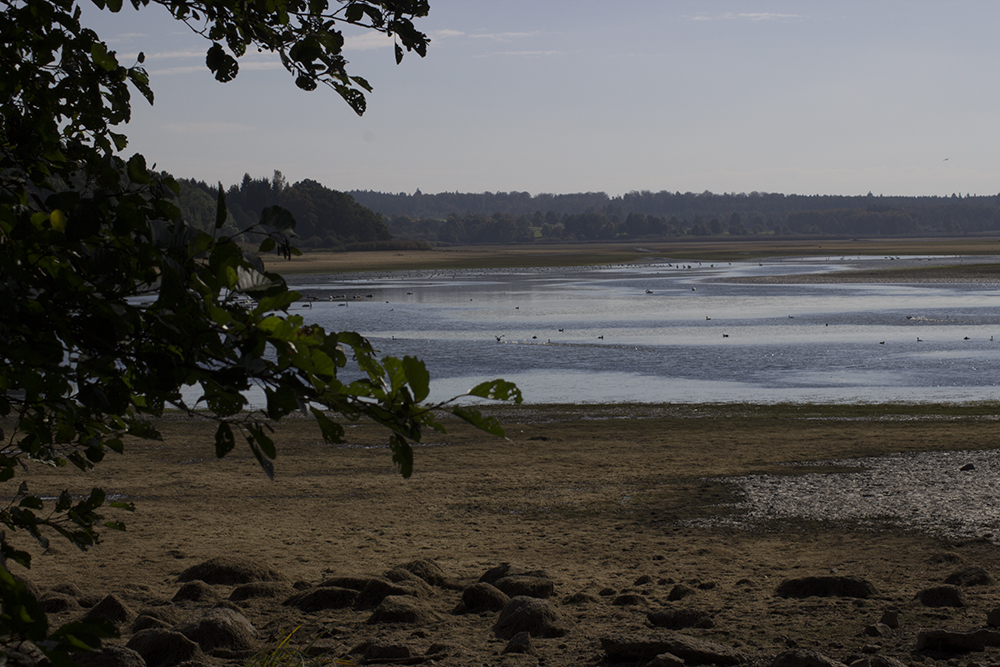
pixel 662 333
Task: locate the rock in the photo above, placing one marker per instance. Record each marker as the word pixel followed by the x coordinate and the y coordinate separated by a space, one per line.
pixel 969 576
pixel 643 580
pixel 629 600
pixel 196 591
pixel 231 571
pixel 968 467
pixel 377 590
pixel 678 619
pixel 318 599
pixel 69 589
pixel 402 609
pixel 481 597
pixel 220 628
pixel 508 570
pixel 890 618
pixel 381 652
pixel 429 571
pixel 993 617
pixel 526 585
pixel 693 651
pixel 518 660
pixel 164 648
pixel 144 622
pixel 354 583
pixel 261 589
pixel 165 616
pixel 876 630
pixel 804 658
pixel 942 596
pixel 109 656
pixel 580 598
pixel 878 661
pixel 529 614
pixel 57 603
pixel 827 586
pixel 112 609
pixel 520 643
pixel 679 592
pixel 665 660
pixel 947 641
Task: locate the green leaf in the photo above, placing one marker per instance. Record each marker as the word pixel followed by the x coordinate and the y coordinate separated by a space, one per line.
pixel 225 441
pixel 402 454
pixel 332 431
pixel 417 377
pixel 223 66
pixel 497 390
pixel 102 58
pixel 489 424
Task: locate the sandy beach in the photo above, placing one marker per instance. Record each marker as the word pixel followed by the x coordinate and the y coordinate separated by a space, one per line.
pixel 605 503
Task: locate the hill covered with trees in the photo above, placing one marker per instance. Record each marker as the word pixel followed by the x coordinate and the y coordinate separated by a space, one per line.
pixel 505 217
pixel 364 219
pixel 324 218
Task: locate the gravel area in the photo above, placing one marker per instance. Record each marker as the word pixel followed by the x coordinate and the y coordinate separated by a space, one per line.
pixel 947 494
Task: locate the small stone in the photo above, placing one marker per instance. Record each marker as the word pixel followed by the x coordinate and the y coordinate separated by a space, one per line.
pixel 665 660
pixel 876 630
pixel 890 618
pixel 679 592
pixel 520 643
pixel 969 576
pixel 942 596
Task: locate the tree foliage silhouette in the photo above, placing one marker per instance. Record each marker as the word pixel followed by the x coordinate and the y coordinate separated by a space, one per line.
pixel 113 308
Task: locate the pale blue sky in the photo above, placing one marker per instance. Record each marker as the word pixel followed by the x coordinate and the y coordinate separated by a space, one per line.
pixel 808 97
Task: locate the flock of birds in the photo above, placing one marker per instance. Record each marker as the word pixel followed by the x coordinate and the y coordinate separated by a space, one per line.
pixel 343 298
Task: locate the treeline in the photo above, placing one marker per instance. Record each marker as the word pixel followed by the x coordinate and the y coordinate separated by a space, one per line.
pixel 366 220
pixel 521 217
pixel 324 218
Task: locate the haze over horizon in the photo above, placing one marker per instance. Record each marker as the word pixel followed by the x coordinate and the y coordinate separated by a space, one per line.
pixel 798 97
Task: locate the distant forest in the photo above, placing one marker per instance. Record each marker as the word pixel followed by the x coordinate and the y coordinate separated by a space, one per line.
pixel 364 219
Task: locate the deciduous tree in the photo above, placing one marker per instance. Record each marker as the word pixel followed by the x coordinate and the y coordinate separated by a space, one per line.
pixel 113 308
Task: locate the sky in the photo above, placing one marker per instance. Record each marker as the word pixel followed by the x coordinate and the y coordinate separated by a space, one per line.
pixel 845 97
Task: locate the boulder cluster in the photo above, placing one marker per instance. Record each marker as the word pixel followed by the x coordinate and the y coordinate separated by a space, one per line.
pixel 233 611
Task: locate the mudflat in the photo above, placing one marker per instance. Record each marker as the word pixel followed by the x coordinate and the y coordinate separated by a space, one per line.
pixel 603 253
pixel 600 501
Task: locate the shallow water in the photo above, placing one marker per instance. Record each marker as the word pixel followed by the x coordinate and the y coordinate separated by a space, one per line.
pixel 665 332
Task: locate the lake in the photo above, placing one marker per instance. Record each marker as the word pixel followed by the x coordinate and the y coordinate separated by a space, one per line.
pixel 669 331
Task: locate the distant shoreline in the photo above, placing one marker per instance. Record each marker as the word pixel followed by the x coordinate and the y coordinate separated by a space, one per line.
pixel 613 253
pixel 956 273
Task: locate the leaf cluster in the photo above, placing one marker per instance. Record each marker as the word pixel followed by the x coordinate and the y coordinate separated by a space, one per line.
pixel 114 308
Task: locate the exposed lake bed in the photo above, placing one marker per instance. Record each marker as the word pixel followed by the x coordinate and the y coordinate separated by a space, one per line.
pixel 608 501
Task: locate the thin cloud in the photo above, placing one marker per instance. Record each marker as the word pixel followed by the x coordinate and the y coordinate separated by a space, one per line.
pixel 245 66
pixel 207 128
pixel 529 54
pixel 444 34
pixel 747 16
pixel 504 36
pixel 367 42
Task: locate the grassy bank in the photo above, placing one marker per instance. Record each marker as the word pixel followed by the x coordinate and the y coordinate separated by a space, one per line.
pixel 593 254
